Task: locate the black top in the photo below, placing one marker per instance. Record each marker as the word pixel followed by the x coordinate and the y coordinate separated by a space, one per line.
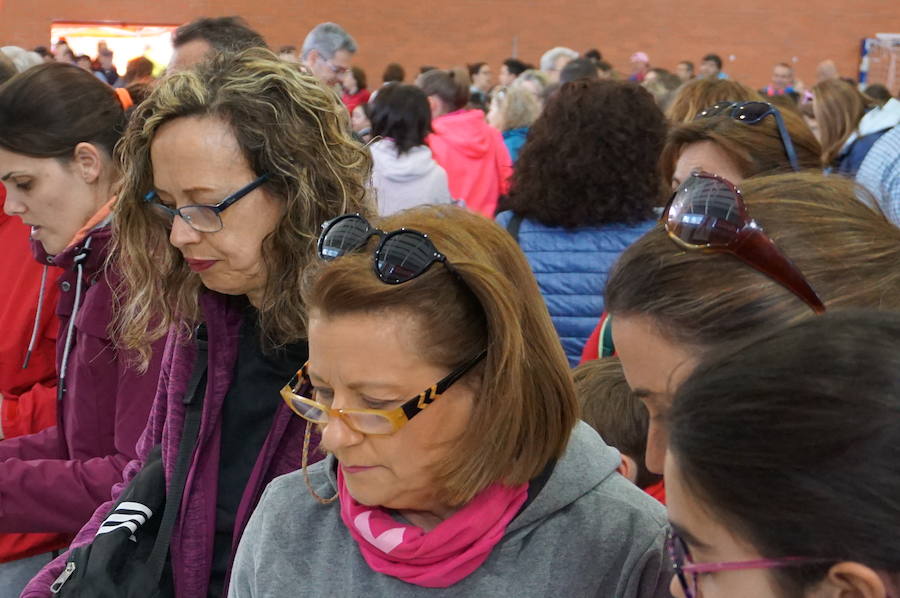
pixel 247 414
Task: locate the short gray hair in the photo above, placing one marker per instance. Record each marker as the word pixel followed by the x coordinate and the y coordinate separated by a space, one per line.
pixel 548 60
pixel 327 39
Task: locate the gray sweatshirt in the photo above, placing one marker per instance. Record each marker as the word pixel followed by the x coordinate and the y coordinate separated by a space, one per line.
pixel 589 532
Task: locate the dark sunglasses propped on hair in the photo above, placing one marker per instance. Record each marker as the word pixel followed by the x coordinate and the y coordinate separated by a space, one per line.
pixel 707 212
pixel 401 255
pixel 752 113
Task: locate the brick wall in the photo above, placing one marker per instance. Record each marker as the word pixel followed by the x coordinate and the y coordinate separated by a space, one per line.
pixel 749 36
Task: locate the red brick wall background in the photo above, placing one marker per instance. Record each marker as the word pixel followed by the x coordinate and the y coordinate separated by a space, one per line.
pixel 756 34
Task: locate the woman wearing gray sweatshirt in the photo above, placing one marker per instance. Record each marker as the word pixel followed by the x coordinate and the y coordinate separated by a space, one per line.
pixel 485 483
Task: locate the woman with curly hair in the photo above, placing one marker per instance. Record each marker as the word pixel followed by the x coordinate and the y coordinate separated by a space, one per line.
pixel 228 170
pixel 583 190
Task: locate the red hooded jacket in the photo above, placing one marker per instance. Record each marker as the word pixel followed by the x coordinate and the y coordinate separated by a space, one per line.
pixel 29 393
pixel 475 158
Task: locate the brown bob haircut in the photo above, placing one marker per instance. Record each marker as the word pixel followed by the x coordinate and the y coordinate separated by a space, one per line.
pixel 755 149
pixel 287 125
pixel 525 401
pixel 698 94
pixel 849 253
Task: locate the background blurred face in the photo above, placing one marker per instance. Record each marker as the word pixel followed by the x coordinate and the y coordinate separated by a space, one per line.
pixel 710 541
pixel 50 195
pixel 684 71
pixel 348 81
pixel 654 368
pixel 482 79
pixel 706 156
pixel 505 77
pixel 329 71
pixel 372 361
pixel 708 68
pixel 197 160
pixel 782 77
pixel 638 65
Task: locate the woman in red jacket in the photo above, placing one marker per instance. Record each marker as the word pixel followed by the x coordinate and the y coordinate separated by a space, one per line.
pixel 471 151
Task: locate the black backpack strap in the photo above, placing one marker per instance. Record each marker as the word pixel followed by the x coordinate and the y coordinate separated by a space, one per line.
pixel 513 226
pixel 193 400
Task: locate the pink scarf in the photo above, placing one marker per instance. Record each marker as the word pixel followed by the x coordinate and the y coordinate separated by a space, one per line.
pixel 446 554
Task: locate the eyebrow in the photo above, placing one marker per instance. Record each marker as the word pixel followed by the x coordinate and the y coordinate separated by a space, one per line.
pixel 356 385
pixel 688 536
pixel 643 393
pixel 6 176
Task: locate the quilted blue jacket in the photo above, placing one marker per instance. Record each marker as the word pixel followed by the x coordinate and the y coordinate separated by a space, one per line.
pixel 571 267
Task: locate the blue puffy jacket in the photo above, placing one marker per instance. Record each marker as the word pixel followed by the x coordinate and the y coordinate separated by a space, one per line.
pixel 571 267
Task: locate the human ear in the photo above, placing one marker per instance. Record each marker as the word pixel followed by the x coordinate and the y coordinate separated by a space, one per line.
pixel 87 162
pixel 628 468
pixel 851 580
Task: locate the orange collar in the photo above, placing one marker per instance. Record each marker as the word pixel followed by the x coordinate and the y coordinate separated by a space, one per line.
pixel 101 215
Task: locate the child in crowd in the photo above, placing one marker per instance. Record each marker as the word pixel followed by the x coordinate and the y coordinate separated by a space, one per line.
pixel 609 406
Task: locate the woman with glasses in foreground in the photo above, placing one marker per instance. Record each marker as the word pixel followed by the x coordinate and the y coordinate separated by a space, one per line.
pixel 727 265
pixel 228 171
pixel 483 483
pixel 783 469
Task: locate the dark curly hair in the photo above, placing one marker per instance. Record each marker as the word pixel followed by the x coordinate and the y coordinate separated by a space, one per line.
pixel 592 157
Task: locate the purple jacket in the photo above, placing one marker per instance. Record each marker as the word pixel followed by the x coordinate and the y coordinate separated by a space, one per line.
pixel 53 480
pixel 192 538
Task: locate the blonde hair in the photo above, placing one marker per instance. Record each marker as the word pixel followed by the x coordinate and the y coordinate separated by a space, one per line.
pixel 698 94
pixel 525 407
pixel 518 107
pixel 287 125
pixel 838 107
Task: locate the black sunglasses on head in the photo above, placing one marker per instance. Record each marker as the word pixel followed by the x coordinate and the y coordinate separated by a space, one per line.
pixel 400 256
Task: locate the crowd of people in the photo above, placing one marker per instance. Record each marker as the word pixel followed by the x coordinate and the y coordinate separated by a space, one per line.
pixel 646 322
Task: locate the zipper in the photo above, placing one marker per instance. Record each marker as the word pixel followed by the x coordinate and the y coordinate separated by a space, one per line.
pixel 57 585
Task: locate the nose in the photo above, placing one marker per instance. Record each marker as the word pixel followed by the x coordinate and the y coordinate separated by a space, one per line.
pixel 13 207
pixel 183 234
pixel 336 434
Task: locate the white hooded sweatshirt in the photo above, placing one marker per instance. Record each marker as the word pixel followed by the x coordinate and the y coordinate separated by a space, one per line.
pixel 406 181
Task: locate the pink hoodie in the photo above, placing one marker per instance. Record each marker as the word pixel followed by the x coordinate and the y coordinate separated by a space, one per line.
pixel 475 158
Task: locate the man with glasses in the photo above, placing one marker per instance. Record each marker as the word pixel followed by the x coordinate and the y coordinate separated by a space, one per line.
pixel 327 52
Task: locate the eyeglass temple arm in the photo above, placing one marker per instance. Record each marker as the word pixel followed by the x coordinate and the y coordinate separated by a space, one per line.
pixel 459 373
pixel 243 191
pixel 757 249
pixel 786 141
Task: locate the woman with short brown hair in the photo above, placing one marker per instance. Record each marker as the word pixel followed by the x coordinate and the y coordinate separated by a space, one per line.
pixel 482 484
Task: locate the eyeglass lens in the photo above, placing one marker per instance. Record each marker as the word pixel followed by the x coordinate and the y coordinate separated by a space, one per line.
pixel 403 256
pixel 705 212
pixel 367 423
pixel 345 235
pixel 201 218
pixel 680 556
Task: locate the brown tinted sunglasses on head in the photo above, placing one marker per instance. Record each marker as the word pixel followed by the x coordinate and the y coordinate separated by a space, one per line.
pixel 707 212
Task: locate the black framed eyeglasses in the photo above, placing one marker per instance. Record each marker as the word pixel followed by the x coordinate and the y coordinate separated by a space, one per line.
pixel 202 218
pixel 401 255
pixel 754 112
